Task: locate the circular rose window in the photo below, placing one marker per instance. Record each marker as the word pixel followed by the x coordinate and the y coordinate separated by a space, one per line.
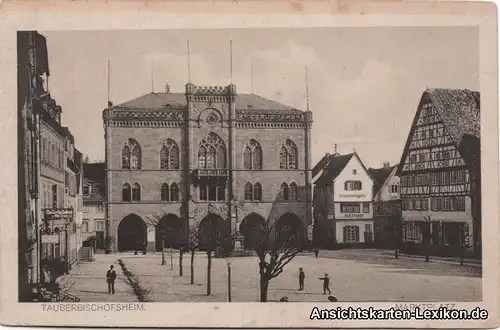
pixel 212 118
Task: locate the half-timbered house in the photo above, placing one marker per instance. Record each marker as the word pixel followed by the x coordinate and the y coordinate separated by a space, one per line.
pixel 439 170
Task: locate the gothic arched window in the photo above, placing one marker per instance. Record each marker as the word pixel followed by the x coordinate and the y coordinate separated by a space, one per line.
pixel 212 152
pixel 248 191
pixel 169 156
pixel 131 155
pixel 257 192
pixel 126 192
pixel 136 192
pixel 284 191
pixel 252 159
pixel 288 155
pixel 135 158
pixel 294 191
pixel 174 192
pixel 126 157
pixel 165 192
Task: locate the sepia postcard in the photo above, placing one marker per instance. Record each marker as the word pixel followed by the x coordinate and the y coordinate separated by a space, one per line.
pixel 249 164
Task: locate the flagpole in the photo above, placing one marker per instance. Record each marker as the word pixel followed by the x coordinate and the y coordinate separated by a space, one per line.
pixel 231 59
pixel 189 62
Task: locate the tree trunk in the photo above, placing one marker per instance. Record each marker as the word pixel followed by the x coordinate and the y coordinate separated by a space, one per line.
pixel 209 273
pixel 181 253
pixel 162 252
pixel 264 282
pixel 171 259
pixel 192 267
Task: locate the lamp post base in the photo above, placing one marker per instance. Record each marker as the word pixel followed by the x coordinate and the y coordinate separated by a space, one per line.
pixel 238 243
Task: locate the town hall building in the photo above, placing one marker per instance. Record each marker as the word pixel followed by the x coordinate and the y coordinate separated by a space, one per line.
pixel 206 157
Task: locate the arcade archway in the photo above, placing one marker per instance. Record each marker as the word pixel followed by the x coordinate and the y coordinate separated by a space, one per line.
pixel 290 231
pixel 132 233
pixel 249 228
pixel 170 228
pixel 213 232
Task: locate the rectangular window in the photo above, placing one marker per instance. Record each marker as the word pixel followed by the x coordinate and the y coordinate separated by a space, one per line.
pixel 54 196
pixel 99 225
pixel 394 189
pixel 434 177
pixel 100 208
pixel 350 208
pixel 413 158
pixel 85 226
pixel 366 207
pixel 460 203
pixel 417 204
pixel 86 190
pixel 212 192
pixel 446 204
pixel 424 203
pixel 434 204
pixel 368 228
pixel 445 177
pixel 454 177
pixel 351 234
pixel 462 176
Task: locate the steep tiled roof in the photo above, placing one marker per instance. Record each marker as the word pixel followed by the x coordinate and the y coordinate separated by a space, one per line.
pixel 460 112
pixel 335 167
pixel 94 172
pixel 379 175
pixel 321 164
pixel 177 101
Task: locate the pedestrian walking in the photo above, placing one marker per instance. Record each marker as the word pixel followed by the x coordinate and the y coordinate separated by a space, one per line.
pixel 316 253
pixel 110 278
pixel 302 277
pixel 326 284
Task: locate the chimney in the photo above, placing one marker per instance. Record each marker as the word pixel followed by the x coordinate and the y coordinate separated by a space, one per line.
pixel 387 164
pixel 335 149
pixel 167 88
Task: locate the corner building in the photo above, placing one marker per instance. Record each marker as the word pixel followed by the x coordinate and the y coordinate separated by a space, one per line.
pixel 208 157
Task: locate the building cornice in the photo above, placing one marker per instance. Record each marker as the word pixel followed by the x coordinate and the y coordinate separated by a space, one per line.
pixel 118 117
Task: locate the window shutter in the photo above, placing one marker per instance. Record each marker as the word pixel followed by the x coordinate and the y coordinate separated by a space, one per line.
pixel 345 233
pixel 357 233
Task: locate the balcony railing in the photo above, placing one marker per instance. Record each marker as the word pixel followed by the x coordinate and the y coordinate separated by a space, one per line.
pixel 211 173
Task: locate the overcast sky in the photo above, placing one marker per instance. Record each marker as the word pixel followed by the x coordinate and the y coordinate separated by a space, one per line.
pixel 364 83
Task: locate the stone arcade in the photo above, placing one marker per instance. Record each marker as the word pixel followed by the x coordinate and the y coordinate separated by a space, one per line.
pixel 206 156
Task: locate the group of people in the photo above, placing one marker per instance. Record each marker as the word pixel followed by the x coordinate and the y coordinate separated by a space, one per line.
pixel 325 279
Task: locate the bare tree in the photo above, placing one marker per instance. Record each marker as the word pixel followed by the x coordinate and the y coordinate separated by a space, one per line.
pixel 396 223
pixel 167 235
pixel 214 237
pixel 276 247
pixel 154 220
pixel 193 243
